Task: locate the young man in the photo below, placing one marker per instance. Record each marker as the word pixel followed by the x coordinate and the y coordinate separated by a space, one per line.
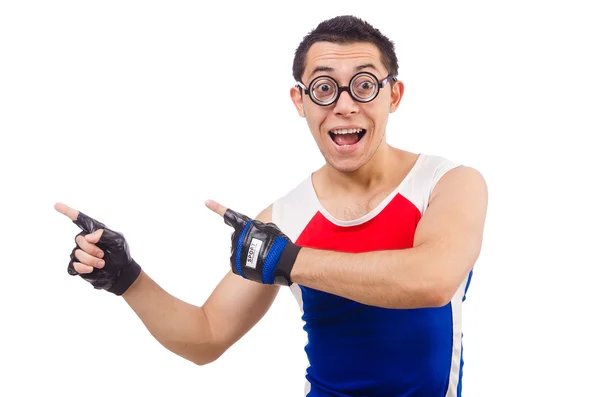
pixel 378 245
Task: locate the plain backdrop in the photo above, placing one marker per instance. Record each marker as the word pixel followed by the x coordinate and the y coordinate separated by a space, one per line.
pixel 136 112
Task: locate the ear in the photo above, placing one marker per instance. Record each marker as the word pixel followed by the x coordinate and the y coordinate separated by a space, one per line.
pixel 297 100
pixel 397 92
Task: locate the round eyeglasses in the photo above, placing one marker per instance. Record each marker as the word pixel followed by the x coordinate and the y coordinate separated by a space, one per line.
pixel 363 87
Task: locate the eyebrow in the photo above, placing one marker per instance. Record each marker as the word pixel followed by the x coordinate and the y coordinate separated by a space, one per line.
pixel 321 69
pixel 329 69
pixel 366 66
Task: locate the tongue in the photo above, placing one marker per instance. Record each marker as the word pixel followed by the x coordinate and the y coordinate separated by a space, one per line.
pixel 345 139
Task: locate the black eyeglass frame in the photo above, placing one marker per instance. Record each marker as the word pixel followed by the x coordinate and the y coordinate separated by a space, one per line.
pixel 340 89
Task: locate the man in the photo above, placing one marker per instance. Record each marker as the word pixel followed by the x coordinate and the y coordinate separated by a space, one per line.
pixel 378 245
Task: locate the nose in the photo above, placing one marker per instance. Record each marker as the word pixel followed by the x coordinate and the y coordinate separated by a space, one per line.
pixel 345 105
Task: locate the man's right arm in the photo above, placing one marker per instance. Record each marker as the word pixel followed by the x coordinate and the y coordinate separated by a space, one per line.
pixel 202 334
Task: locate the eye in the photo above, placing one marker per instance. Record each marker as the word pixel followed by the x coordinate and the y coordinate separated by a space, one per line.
pixel 364 87
pixel 324 87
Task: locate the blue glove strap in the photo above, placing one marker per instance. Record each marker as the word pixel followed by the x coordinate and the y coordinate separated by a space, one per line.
pixel 238 254
pixel 272 260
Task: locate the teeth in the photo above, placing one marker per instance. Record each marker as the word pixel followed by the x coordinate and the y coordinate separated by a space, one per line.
pixel 347 131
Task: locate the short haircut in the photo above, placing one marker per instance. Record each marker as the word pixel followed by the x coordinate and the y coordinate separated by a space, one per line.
pixel 346 29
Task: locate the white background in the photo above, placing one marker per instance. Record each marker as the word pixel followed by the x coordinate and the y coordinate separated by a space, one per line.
pixel 137 112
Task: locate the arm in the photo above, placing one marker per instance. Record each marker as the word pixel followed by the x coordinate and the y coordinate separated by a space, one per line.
pixel 202 334
pixel 447 243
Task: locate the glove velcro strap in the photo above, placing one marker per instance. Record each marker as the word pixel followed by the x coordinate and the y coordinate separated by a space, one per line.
pixel 282 275
pixel 126 278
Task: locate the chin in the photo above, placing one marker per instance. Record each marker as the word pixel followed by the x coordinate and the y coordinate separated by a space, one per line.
pixel 346 166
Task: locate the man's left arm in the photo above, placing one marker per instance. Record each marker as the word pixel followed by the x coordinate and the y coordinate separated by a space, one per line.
pixel 447 244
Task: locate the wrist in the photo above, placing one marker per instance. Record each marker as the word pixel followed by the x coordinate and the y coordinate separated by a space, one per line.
pixel 137 286
pixel 287 262
pixel 298 271
pixel 126 279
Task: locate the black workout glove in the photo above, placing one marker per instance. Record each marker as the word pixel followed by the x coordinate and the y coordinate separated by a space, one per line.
pixel 260 251
pixel 119 271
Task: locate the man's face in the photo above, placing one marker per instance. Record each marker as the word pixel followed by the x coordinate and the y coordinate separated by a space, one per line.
pixel 347 132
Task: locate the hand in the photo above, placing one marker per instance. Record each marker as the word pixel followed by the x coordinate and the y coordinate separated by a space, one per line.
pixel 101 256
pixel 259 251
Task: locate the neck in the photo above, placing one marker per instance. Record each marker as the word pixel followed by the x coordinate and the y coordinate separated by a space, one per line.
pixel 379 169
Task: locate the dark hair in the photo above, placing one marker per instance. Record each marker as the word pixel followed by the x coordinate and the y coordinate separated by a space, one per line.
pixel 346 29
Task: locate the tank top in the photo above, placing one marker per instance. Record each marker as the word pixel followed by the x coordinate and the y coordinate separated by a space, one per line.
pixel 355 349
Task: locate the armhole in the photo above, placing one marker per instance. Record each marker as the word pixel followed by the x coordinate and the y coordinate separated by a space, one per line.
pixel 420 183
pixel 276 212
pixel 442 169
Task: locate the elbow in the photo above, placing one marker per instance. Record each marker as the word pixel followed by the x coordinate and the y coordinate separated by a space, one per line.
pixel 204 360
pixel 432 294
pixel 440 291
pixel 420 299
pixel 439 288
pixel 199 354
pixel 437 297
pixel 207 356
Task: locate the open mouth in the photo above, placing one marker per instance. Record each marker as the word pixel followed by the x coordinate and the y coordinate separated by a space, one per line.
pixel 347 137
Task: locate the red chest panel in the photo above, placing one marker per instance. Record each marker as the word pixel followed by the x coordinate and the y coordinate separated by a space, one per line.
pixel 393 228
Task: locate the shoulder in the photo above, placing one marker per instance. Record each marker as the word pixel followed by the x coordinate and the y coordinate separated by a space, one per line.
pixel 463 183
pixel 433 174
pixel 436 166
pixel 461 175
pixel 299 193
pixel 461 190
pixel 444 173
pixel 452 176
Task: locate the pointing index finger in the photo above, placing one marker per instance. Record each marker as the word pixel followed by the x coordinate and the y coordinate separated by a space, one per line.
pixel 66 210
pixel 216 207
pixel 232 218
pixel 85 223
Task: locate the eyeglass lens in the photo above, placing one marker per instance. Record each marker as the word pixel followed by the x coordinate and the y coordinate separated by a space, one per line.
pixel 363 87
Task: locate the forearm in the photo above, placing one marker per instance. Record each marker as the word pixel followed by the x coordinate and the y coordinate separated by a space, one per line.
pixel 181 327
pixel 391 279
